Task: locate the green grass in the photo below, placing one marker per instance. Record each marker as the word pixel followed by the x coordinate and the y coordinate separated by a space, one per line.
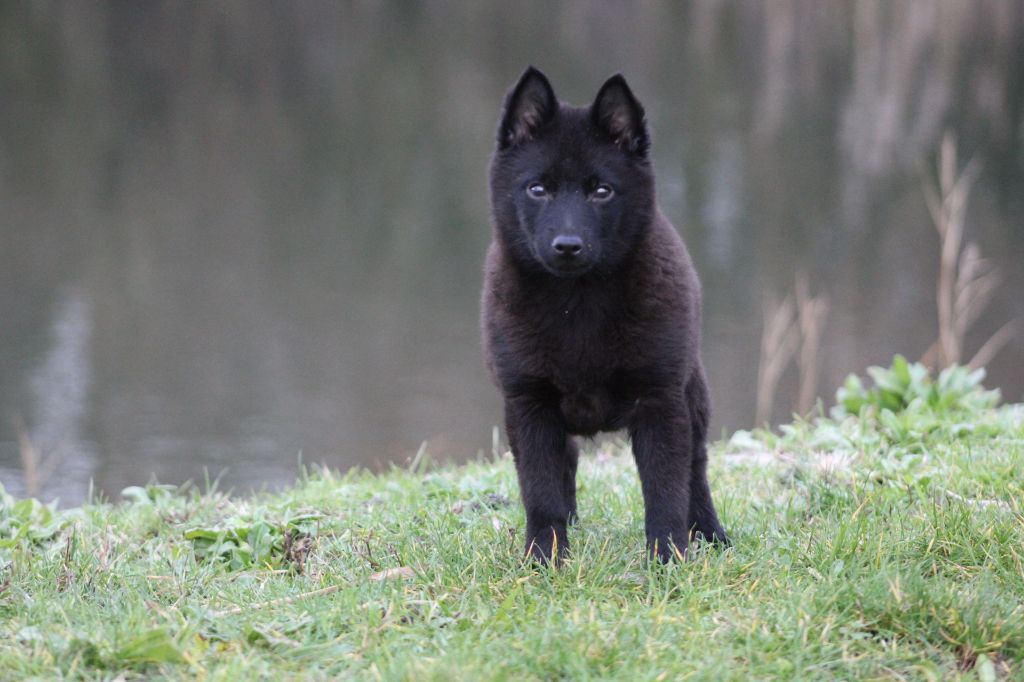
pixel 883 545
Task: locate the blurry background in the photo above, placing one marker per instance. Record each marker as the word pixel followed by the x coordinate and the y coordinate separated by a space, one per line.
pixel 231 232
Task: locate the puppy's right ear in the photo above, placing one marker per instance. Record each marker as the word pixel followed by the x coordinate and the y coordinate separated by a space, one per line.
pixel 528 106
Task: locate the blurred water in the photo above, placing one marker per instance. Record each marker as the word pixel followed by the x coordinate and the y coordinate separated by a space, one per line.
pixel 233 233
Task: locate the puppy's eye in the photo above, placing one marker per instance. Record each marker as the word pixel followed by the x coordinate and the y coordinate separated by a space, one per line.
pixel 537 190
pixel 602 193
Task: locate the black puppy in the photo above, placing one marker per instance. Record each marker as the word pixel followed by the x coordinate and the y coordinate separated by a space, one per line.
pixel 591 314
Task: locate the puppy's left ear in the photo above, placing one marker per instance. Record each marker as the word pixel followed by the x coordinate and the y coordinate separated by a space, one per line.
pixel 616 111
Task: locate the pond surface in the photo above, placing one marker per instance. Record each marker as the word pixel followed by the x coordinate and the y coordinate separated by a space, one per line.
pixel 232 236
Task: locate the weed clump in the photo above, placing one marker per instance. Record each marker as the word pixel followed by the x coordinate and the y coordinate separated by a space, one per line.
pixel 909 387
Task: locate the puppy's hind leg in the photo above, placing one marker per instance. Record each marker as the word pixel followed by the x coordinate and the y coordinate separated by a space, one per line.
pixel 572 456
pixel 702 520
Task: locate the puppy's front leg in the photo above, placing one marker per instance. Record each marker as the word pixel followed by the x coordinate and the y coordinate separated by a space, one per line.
pixel 662 447
pixel 537 434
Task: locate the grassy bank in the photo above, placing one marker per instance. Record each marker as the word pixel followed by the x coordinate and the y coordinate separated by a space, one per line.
pixel 883 542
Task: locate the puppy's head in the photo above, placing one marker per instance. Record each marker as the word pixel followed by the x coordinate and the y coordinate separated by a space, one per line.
pixel 571 188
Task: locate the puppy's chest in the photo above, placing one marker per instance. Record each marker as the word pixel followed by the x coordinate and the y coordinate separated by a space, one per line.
pixel 579 348
pixel 587 370
pixel 585 351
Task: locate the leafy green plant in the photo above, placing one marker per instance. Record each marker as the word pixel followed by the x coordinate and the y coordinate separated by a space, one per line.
pixel 249 543
pixel 27 520
pixel 909 387
pixel 151 493
pixel 900 405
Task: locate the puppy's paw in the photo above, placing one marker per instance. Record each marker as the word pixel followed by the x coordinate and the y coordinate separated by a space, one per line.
pixel 548 546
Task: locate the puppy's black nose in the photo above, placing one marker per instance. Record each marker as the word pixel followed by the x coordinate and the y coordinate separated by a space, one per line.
pixel 567 246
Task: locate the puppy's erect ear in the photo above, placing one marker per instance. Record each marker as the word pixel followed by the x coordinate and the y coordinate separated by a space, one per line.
pixel 528 106
pixel 616 111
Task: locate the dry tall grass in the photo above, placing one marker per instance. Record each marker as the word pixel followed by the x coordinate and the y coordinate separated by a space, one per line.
pixel 36 468
pixel 791 330
pixel 811 313
pixel 966 280
pixel 780 336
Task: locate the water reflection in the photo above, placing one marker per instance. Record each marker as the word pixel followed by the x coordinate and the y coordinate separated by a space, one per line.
pixel 233 235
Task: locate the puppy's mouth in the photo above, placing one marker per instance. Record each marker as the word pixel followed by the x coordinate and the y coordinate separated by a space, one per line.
pixel 567 269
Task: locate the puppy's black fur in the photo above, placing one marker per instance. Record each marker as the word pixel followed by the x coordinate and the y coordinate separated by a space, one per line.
pixel 591 314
